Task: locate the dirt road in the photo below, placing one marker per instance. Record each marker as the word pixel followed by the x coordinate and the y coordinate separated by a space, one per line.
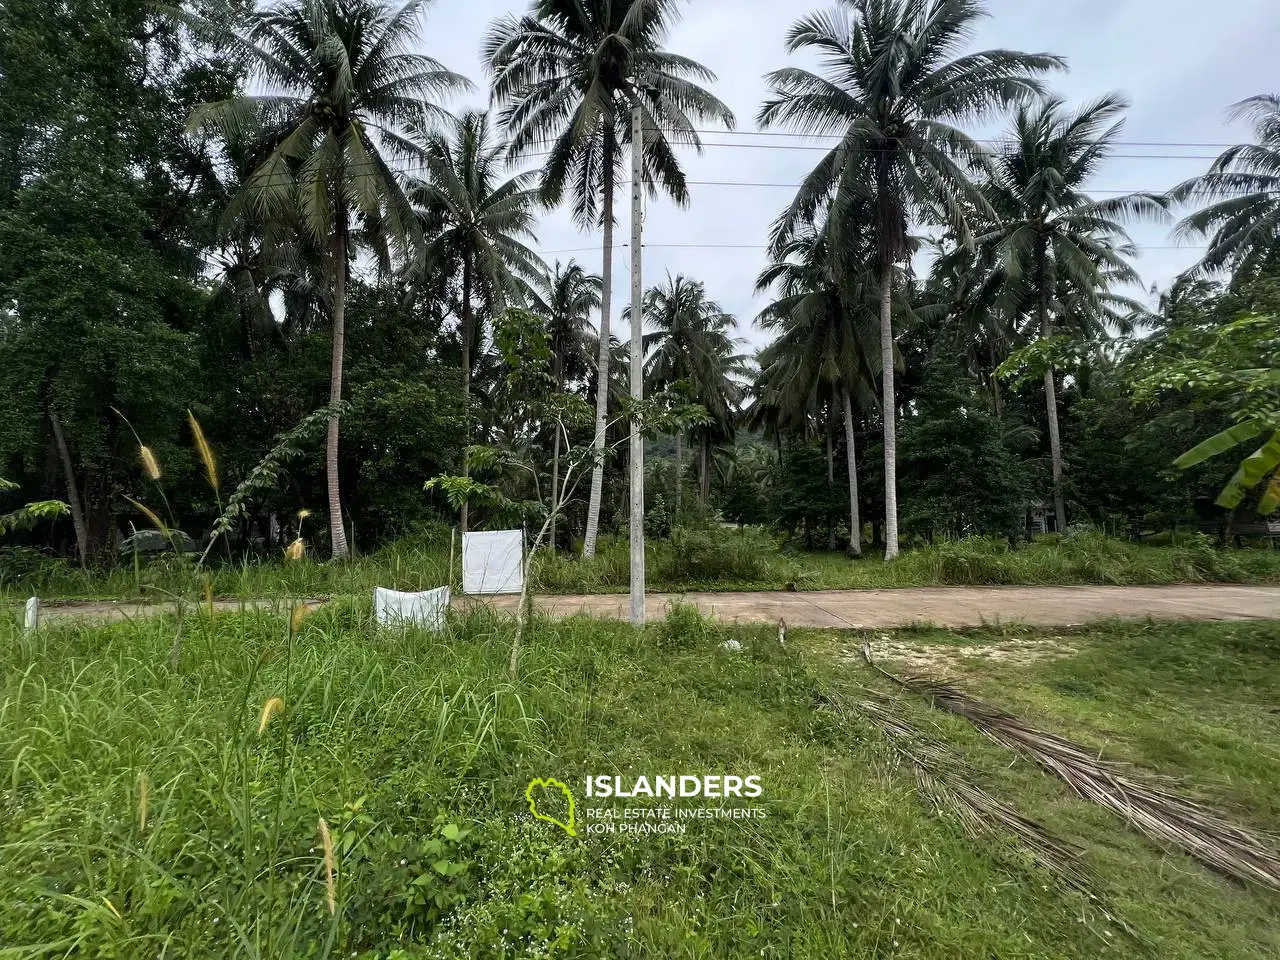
pixel 851 609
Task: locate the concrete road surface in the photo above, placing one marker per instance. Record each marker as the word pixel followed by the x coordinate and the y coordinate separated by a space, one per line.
pixel 854 609
pixel 944 606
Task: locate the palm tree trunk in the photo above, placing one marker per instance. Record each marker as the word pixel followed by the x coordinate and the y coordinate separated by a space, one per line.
pixel 996 396
pixel 831 476
pixel 1051 394
pixel 602 362
pixel 465 334
pixel 555 485
pixel 890 412
pixel 704 476
pixel 555 453
pixel 855 519
pixel 337 532
pixel 73 494
pixel 1055 439
pixel 679 470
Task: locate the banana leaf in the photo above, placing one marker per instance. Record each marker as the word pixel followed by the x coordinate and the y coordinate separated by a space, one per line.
pixel 1220 444
pixel 1263 461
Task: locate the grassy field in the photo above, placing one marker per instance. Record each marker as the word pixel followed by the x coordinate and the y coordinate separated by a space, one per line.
pixel 700 559
pixel 154 810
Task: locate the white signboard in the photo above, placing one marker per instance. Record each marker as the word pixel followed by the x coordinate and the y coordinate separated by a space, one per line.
pixel 493 562
pixel 426 610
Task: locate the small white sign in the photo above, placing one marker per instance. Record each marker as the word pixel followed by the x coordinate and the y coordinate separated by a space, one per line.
pixel 493 562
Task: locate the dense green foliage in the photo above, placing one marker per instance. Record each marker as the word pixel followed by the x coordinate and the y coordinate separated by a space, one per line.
pixel 174 248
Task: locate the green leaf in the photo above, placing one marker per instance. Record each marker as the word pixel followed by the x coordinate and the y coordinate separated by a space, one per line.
pixel 450 831
pixel 1216 445
pixel 267 473
pixel 1255 467
pixel 460 490
pixel 31 514
pixel 1270 501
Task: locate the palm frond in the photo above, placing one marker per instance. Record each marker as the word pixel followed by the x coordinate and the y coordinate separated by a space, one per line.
pixel 1145 804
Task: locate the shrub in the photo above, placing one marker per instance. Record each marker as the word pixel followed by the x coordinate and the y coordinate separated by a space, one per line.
pixel 711 554
pixel 566 573
pixel 1092 557
pixel 28 568
pixel 685 628
pixel 974 560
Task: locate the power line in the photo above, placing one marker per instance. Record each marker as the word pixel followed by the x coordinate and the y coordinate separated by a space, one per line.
pixel 987 140
pixel 413 169
pixel 765 246
pixel 794 186
pixel 418 167
pixel 828 149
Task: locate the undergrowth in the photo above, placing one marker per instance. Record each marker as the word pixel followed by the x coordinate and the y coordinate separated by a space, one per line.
pixel 706 558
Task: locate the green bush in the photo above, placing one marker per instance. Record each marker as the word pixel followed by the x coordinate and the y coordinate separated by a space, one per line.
pixel 685 628
pixel 717 554
pixel 608 570
pixel 28 569
pixel 1088 556
pixel 974 560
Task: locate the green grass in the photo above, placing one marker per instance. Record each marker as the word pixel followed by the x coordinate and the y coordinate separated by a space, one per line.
pixel 417 750
pixel 700 559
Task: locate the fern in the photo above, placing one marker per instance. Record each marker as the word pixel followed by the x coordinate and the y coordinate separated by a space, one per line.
pixel 266 474
pixel 467 490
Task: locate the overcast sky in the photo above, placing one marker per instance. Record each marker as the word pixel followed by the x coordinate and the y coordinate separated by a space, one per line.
pixel 1181 63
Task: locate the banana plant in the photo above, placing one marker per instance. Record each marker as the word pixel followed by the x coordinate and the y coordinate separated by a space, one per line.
pixel 1254 469
pixel 1236 365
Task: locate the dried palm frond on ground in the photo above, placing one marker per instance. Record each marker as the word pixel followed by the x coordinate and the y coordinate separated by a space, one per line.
pixel 949 784
pixel 1147 806
pixel 946 780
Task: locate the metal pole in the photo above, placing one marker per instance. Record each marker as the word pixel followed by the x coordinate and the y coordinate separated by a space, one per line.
pixel 637 366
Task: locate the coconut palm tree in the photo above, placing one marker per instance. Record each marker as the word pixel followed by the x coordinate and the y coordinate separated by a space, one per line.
pixel 825 351
pixel 1242 189
pixel 1056 252
pixel 692 349
pixel 476 223
pixel 568 73
pixel 963 284
pixel 566 296
pixel 341 89
pixel 892 88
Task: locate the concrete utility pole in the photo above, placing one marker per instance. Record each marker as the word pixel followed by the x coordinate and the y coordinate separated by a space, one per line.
pixel 637 365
